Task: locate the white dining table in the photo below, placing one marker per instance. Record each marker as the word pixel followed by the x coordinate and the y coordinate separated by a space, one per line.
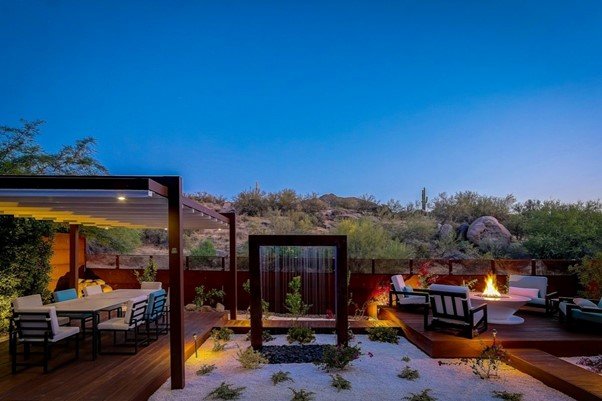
pixel 94 304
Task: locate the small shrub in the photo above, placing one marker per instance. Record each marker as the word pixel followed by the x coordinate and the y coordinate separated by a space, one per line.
pixel 265 336
pixel 225 391
pixel 339 357
pixel 218 346
pixel 340 383
pixel 487 364
pixel 302 395
pixel 250 359
pixel 409 374
pixel 421 396
pixel 383 334
pixel 302 335
pixel 149 273
pixel 205 370
pixel 203 296
pixel 405 359
pixel 506 396
pixel 281 376
pixel 293 301
pixel 221 334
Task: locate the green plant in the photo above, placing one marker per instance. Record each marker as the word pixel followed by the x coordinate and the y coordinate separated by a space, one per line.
pixel 383 334
pixel 293 301
pixel 487 364
pixel 204 249
pixel 302 395
pixel 590 276
pixel 281 376
pixel 250 359
pixel 302 335
pixel 594 363
pixel 405 358
pixel 225 391
pixel 205 370
pixel 265 305
pixel 340 383
pixel 149 273
pixel 421 396
pixel 203 296
pixel 221 334
pixel 265 336
pixel 339 357
pixel 409 374
pixel 507 396
pixel 369 239
pixel 218 346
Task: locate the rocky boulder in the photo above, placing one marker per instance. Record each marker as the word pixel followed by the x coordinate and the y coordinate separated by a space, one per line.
pixel 446 230
pixel 462 230
pixel 487 229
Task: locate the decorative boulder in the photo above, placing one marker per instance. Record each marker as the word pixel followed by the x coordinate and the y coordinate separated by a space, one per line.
pixel 462 230
pixel 190 307
pixel 219 307
pixel 446 230
pixel 206 308
pixel 487 229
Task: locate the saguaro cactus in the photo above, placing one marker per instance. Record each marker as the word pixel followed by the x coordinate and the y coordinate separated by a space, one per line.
pixel 425 200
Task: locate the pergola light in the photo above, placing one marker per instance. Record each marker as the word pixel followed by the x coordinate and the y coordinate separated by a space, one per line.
pixel 121 198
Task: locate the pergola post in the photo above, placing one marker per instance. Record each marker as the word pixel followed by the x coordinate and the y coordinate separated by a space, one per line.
pixel 176 281
pixel 74 257
pixel 233 267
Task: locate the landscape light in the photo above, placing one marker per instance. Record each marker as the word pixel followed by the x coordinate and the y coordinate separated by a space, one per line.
pixel 121 198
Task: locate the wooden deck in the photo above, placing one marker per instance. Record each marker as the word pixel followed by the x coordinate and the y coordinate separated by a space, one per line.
pixel 320 326
pixel 110 377
pixel 538 332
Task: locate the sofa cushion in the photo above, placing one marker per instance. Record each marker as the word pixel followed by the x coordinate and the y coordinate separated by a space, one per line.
pixel 584 303
pixel 539 282
pixel 92 290
pixel 117 323
pixel 439 299
pixel 537 302
pixel 29 301
pixel 64 295
pixel 524 292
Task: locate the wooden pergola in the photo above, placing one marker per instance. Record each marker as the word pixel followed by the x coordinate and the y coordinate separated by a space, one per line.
pixel 124 201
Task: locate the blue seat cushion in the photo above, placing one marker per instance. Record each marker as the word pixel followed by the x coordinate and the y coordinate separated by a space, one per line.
pixel 64 295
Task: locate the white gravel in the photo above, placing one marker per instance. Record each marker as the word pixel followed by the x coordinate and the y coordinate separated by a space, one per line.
pixel 373 378
pixel 575 359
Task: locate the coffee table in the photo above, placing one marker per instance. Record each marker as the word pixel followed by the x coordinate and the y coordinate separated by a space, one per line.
pixel 501 310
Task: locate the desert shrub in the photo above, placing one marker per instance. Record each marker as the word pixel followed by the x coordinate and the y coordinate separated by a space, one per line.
pixel 487 364
pixel 409 374
pixel 416 227
pixel 202 296
pixel 225 391
pixel 280 377
pixel 312 204
pixel 205 369
pixel 8 292
pixel 340 383
pixel 250 359
pixel 294 301
pixel 302 335
pixel 424 395
pixel 406 358
pixel 222 334
pixel 302 395
pixel 589 273
pixel 265 305
pixel 554 230
pixel 339 357
pixel 507 396
pixel 467 206
pixel 218 346
pixel 594 363
pixel 206 197
pixel 383 334
pixel 369 239
pixel 205 248
pixel 149 273
pixel 265 336
pixel 252 202
pixel 114 240
pixel 285 200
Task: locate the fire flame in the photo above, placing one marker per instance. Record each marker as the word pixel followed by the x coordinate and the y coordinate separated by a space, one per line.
pixel 490 289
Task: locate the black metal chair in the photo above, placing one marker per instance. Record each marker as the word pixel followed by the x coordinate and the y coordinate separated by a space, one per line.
pixel 451 308
pixel 131 323
pixel 38 327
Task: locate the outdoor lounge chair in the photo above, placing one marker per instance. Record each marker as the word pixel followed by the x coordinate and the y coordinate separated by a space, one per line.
pixel 451 307
pixel 155 310
pixel 38 326
pixel 133 320
pixel 534 287
pixel 65 295
pixel 580 311
pixel 404 294
pixel 150 285
pixel 35 301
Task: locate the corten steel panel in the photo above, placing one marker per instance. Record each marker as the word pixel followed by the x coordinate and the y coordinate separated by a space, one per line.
pixel 341 296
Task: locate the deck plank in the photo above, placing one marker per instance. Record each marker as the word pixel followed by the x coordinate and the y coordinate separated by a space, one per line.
pixel 110 377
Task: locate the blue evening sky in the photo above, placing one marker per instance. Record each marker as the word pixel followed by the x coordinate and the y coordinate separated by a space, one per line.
pixel 350 97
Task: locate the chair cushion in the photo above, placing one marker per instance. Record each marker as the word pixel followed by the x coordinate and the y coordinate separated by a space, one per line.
pixel 92 290
pixel 600 303
pixel 584 303
pixel 64 295
pixel 537 302
pixel 524 292
pixel 64 332
pixel 117 323
pixel 29 301
pixel 562 306
pixel 46 310
pixel 539 282
pixel 456 289
pixel 411 300
pixel 130 306
pixel 398 282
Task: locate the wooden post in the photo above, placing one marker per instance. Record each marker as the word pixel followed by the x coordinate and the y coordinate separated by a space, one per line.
pixel 74 257
pixel 411 266
pixel 176 281
pixel 341 293
pixel 255 284
pixel 117 262
pixel 373 267
pixel 492 266
pixel 233 268
pixel 533 267
pixel 450 267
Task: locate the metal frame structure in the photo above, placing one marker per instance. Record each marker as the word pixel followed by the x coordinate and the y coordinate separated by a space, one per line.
pixel 123 201
pixel 341 295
